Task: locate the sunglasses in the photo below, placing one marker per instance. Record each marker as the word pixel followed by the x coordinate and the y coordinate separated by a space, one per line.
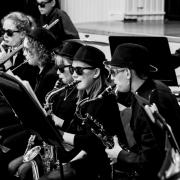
pixel 114 72
pixel 78 70
pixel 43 4
pixel 61 68
pixel 9 32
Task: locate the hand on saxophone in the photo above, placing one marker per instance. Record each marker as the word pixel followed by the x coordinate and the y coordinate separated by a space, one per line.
pixel 57 120
pixel 2 52
pixel 114 152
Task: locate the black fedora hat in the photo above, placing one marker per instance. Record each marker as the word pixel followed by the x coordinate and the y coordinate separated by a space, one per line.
pixel 133 56
pixel 45 37
pixel 69 49
pixel 90 55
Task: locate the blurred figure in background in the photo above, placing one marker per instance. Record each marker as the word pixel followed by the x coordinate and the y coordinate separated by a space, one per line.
pixel 64 29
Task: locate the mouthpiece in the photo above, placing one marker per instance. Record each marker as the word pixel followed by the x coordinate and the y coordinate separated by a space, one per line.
pixel 72 84
pixel 107 91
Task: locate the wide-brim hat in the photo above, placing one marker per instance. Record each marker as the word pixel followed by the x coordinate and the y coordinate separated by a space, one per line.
pixel 133 56
pixel 69 49
pixel 44 36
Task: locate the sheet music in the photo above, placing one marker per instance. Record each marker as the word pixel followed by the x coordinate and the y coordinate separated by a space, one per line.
pixel 28 88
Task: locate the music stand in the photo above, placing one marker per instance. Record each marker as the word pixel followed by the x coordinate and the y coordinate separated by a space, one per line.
pixel 161 57
pixel 28 110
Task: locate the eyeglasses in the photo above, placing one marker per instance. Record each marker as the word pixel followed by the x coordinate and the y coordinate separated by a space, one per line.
pixel 114 72
pixel 9 32
pixel 61 68
pixel 78 70
pixel 43 4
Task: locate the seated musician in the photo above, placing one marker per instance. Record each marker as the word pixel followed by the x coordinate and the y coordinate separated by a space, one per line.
pixel 38 48
pixel 130 70
pixel 64 102
pixel 15 26
pixel 88 68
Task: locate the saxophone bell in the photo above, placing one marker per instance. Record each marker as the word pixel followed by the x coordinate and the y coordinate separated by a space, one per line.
pixel 31 154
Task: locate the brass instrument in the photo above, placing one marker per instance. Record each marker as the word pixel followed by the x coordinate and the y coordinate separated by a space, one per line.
pixel 98 130
pixel 109 90
pixel 48 156
pixel 49 97
pixel 9 55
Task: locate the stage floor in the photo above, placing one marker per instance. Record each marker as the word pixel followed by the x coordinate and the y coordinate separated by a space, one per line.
pixel 170 29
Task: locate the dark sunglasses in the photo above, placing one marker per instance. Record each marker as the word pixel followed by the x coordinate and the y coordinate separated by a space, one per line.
pixel 9 32
pixel 43 4
pixel 61 68
pixel 79 70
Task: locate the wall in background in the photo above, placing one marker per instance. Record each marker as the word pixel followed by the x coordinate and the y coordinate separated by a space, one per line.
pixel 104 10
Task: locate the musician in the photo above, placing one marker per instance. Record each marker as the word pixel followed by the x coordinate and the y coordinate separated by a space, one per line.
pixel 15 26
pixel 64 103
pixel 130 70
pixel 38 48
pixel 88 68
pixel 65 28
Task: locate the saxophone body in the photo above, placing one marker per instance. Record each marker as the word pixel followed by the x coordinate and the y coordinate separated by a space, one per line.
pixel 50 95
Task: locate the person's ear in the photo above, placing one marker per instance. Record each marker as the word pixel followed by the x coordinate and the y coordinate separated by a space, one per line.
pixel 129 73
pixel 53 3
pixel 97 72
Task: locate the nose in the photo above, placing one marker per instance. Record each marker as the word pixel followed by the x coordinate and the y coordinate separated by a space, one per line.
pixel 112 77
pixel 58 72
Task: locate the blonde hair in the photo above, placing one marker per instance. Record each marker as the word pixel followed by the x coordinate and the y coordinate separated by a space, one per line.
pixel 21 21
pixel 96 87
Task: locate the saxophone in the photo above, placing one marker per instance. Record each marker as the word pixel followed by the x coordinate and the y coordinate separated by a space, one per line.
pixel 98 130
pixel 50 95
pixel 95 126
pixel 48 155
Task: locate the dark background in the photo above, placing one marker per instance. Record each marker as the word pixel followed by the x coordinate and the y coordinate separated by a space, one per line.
pixel 27 6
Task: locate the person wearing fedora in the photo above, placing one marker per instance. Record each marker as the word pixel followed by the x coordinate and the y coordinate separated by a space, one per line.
pixel 64 103
pixel 130 70
pixel 91 162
